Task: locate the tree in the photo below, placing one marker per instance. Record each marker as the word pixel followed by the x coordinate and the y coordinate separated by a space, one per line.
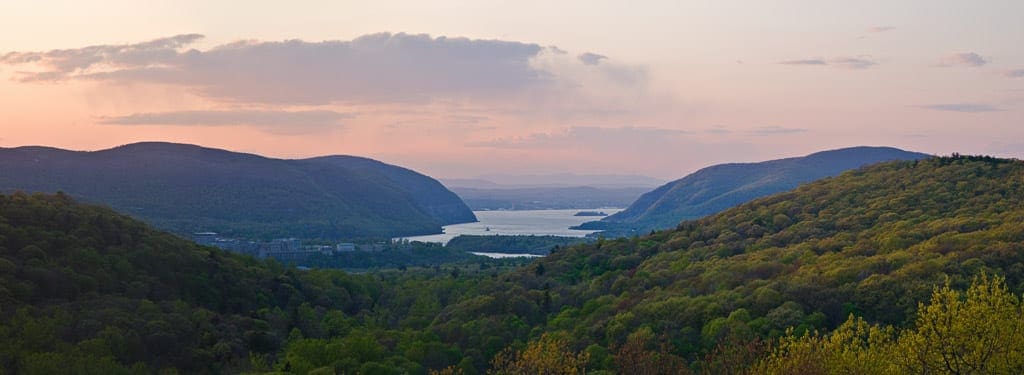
pixel 856 347
pixel 637 356
pixel 549 355
pixel 973 332
pixel 979 331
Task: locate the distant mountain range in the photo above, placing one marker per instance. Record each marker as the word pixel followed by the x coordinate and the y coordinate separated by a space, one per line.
pixel 563 180
pixel 185 188
pixel 544 198
pixel 554 191
pixel 716 188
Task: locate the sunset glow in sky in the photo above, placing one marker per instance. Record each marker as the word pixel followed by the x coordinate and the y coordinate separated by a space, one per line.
pixel 464 88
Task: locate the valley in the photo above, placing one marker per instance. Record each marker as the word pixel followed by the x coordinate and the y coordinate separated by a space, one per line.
pixel 872 243
pixel 454 187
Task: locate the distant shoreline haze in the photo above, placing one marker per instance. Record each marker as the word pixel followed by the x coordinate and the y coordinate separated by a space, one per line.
pixel 558 180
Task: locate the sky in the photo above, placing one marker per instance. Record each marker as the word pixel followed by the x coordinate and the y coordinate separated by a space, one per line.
pixel 458 89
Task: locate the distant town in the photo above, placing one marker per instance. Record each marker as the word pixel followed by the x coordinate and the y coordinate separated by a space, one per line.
pixel 281 249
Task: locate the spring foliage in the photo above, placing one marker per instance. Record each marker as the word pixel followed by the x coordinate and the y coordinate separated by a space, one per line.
pixel 873 242
pixel 769 286
pixel 974 332
pixel 548 355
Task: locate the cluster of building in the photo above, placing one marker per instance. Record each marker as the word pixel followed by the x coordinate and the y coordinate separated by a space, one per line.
pixel 282 249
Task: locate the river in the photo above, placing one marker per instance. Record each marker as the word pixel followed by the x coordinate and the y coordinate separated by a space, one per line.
pixel 522 222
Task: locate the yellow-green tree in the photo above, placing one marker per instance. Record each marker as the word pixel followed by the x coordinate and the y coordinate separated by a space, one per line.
pixel 450 370
pixel 856 347
pixel 549 355
pixel 980 331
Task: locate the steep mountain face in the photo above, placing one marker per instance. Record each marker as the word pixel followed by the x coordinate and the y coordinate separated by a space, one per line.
pixel 433 198
pixel 713 189
pixel 871 242
pixel 187 188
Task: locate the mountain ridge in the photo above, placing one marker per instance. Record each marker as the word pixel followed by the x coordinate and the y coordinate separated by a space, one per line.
pixel 717 187
pixel 184 188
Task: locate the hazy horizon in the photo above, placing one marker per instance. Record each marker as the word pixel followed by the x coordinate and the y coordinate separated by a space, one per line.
pixel 457 89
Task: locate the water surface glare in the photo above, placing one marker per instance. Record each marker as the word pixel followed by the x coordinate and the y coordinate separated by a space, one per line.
pixel 524 222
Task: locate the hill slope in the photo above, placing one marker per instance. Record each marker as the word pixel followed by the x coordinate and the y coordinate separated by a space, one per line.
pixel 187 188
pixel 85 290
pixel 718 187
pixel 88 290
pixel 871 242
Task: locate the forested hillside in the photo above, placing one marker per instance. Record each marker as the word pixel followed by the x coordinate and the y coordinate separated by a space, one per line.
pixel 716 188
pixel 186 188
pixel 84 289
pixel 872 242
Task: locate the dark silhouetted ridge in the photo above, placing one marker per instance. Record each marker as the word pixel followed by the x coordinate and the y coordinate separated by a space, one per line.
pixel 187 188
pixel 718 187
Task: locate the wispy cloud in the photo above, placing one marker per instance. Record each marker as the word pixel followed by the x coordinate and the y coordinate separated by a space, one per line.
pixel 851 63
pixel 804 62
pixel 62 64
pixel 376 68
pixel 880 29
pixel 962 107
pixel 1014 73
pixel 775 130
pixel 280 122
pixel 718 130
pixel 589 58
pixel 969 59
